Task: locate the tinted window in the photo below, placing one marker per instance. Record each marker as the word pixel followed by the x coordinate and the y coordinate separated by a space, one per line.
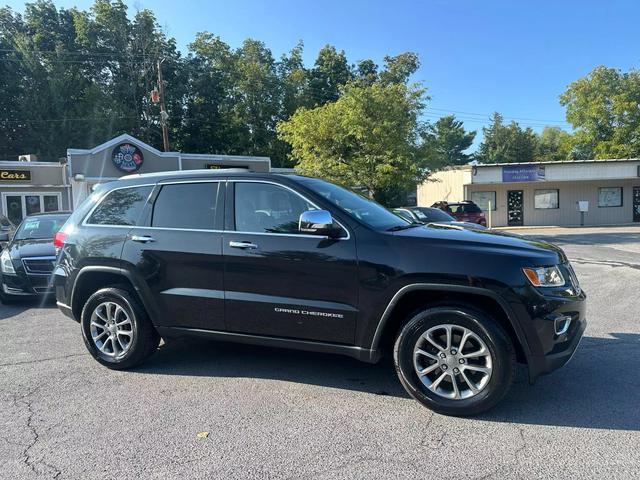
pixel 187 205
pixel 120 207
pixel 432 215
pixel 405 215
pixel 263 207
pixel 40 227
pixel 471 208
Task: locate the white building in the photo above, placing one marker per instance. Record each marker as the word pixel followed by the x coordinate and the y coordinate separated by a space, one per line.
pixel 544 193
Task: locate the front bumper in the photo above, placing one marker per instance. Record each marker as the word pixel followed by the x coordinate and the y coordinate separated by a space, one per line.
pixel 22 285
pixel 555 331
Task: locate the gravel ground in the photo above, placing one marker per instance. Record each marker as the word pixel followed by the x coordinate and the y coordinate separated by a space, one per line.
pixel 207 410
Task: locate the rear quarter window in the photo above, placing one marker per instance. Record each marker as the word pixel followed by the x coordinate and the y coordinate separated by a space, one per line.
pixel 472 209
pixel 120 207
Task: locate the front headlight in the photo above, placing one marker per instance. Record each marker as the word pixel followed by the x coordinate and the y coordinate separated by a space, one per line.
pixel 6 265
pixel 544 276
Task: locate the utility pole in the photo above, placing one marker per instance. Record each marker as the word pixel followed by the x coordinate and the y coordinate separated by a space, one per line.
pixel 164 116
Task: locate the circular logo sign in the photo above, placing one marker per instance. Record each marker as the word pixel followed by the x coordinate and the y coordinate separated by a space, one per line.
pixel 127 158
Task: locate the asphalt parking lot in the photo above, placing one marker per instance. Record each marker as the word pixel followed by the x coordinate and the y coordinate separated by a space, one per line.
pixel 266 413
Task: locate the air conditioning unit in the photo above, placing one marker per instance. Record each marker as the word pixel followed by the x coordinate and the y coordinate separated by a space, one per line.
pixel 27 158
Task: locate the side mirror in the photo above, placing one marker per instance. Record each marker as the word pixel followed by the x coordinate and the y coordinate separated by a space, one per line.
pixel 4 236
pixel 318 222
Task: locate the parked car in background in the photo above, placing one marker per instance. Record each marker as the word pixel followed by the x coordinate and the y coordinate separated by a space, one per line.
pixel 291 261
pixel 7 229
pixel 433 215
pixel 26 264
pixel 465 211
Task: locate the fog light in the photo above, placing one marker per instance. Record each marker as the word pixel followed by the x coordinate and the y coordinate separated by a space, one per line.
pixel 561 324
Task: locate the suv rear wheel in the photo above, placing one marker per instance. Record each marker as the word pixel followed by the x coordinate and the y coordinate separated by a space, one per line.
pixel 455 360
pixel 116 329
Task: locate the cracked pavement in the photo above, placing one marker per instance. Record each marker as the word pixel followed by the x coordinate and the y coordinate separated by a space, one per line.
pixel 283 414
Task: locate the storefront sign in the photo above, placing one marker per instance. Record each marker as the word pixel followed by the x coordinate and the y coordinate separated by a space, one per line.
pixel 522 173
pixel 216 166
pixel 15 175
pixel 127 158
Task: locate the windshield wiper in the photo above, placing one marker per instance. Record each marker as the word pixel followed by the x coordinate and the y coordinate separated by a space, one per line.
pixel 397 228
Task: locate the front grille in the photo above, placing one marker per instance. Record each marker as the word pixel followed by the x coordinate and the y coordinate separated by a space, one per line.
pixel 39 265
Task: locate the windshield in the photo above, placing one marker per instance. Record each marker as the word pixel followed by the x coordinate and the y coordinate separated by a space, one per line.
pixel 432 215
pixel 40 227
pixel 365 210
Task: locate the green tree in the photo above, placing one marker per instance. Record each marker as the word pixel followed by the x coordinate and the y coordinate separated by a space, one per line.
pixel 447 141
pixel 398 69
pixel 554 144
pixel 330 72
pixel 506 143
pixel 603 109
pixel 368 138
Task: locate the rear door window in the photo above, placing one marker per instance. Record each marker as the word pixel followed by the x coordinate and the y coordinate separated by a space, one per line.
pixel 186 205
pixel 120 207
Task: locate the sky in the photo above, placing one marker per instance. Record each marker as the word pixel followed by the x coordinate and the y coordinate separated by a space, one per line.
pixel 477 56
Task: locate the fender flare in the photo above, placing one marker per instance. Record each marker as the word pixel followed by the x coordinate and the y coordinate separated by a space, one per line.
pixel 377 337
pixel 123 272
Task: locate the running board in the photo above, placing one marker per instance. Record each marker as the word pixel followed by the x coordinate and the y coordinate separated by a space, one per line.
pixel 362 354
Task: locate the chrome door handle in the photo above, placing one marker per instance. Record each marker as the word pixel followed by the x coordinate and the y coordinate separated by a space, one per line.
pixel 142 238
pixel 233 244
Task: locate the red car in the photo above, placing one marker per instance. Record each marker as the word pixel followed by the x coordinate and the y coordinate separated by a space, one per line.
pixel 465 211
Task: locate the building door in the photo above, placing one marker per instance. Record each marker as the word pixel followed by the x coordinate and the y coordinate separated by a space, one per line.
pixel 636 204
pixel 515 208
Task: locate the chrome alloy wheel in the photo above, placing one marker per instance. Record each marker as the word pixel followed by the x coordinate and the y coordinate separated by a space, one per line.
pixel 111 329
pixel 452 361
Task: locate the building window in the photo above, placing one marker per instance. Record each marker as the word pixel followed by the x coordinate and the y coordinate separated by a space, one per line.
pixel 610 197
pixel 545 199
pixel 17 206
pixel 482 199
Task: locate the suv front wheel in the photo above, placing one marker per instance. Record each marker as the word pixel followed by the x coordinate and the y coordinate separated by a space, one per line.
pixel 116 329
pixel 455 360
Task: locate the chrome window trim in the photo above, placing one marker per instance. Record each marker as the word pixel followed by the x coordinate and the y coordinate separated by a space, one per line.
pixel 174 229
pixel 106 194
pixel 236 180
pixel 217 180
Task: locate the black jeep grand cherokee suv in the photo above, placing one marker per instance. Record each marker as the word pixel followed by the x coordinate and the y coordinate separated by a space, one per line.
pixel 297 262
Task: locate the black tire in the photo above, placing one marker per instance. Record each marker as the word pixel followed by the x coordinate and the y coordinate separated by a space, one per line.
pixel 145 337
pixel 497 341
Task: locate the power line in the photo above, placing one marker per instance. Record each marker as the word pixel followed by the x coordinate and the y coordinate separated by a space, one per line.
pixel 82 54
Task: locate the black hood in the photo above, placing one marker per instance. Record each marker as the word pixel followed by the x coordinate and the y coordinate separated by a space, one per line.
pixel 32 248
pixel 488 240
